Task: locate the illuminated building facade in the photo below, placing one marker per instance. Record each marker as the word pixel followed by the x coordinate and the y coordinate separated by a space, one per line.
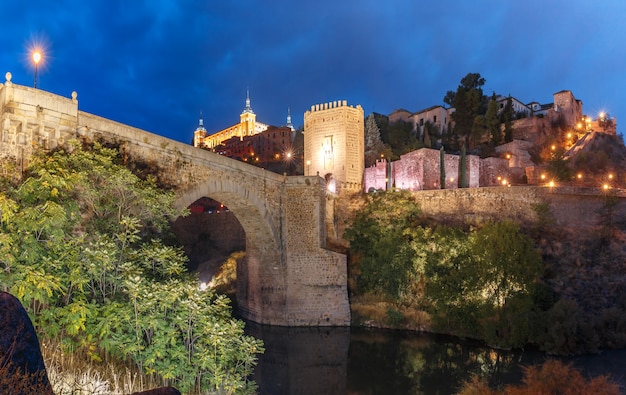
pixel 334 143
pixel 247 126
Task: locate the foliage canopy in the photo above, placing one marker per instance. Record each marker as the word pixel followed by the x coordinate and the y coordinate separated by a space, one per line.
pixel 81 243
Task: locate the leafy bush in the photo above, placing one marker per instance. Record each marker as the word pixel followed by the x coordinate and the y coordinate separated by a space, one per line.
pixel 552 377
pixel 80 240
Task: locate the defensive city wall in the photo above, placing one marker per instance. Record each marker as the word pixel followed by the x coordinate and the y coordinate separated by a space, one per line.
pixel 572 208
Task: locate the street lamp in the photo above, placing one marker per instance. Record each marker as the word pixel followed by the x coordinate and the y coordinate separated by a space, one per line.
pixel 36 59
pixel 308 167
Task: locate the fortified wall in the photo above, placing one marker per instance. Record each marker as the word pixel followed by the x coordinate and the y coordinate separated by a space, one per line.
pixel 420 170
pixel 574 208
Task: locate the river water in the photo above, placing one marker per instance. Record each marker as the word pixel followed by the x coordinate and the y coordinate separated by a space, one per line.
pixel 329 361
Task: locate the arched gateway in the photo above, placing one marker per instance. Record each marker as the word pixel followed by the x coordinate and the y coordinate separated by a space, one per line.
pixel 288 277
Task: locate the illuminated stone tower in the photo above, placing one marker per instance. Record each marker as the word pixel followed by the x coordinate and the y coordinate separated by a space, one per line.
pixel 334 143
pixel 199 134
pixel 247 119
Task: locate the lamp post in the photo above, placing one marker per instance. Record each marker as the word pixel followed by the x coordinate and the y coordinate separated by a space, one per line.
pixel 36 59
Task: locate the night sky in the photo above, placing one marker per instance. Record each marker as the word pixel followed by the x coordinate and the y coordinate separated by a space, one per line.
pixel 156 64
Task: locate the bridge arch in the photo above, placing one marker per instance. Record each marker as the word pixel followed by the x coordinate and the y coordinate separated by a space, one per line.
pixel 261 275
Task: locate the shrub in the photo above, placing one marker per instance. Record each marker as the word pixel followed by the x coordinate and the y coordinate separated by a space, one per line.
pixel 552 377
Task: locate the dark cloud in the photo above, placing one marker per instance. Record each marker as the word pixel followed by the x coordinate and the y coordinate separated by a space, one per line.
pixel 155 64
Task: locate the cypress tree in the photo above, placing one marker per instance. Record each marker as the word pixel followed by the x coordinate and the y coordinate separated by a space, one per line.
pixel 463 181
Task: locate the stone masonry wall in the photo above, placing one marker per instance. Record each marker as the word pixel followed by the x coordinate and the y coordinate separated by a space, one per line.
pixel 574 208
pixel 419 170
pixel 317 277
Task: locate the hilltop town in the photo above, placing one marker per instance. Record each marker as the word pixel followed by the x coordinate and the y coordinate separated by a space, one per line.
pixel 534 143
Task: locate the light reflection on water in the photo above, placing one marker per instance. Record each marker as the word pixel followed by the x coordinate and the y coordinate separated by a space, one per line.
pixel 360 361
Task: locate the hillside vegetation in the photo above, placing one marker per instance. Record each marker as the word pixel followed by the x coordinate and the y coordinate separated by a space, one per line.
pixel 506 285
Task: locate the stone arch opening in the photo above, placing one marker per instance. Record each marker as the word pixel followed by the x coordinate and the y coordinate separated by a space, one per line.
pixel 261 275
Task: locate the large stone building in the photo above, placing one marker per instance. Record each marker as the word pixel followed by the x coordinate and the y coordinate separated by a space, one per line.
pixel 334 144
pixel 247 126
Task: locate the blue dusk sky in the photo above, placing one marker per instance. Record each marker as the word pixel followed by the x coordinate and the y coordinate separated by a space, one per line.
pixel 156 64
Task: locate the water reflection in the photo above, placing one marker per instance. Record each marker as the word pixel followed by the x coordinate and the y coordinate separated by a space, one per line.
pixel 367 362
pixel 301 360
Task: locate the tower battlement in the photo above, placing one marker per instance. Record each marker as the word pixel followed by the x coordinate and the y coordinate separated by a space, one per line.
pixel 331 105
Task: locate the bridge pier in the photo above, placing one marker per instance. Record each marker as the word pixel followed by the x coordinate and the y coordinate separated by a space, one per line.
pixel 305 284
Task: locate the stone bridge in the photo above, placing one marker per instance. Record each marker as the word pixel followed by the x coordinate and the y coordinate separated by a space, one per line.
pixel 288 277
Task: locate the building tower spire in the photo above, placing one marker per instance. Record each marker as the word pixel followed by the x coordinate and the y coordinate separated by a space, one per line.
pixel 289 124
pixel 248 109
pixel 199 134
pixel 200 122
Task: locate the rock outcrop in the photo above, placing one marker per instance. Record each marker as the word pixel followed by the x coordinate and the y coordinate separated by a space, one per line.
pixel 22 370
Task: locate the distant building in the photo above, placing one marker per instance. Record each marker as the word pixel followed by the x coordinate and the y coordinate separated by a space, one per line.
pixel 518 107
pixel 247 126
pixel 438 116
pixel 334 144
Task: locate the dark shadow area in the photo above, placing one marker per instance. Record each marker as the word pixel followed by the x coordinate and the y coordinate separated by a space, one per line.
pixel 209 235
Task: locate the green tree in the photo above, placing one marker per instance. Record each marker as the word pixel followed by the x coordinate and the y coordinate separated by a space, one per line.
pixel 507 118
pixel 477 133
pixel 82 248
pixel 373 143
pixel 492 122
pixel 463 171
pixel 485 290
pixel 378 242
pixel 468 103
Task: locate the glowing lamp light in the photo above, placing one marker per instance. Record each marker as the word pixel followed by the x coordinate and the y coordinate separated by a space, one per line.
pixel 579 176
pixel 36 59
pixel 610 176
pixel 504 182
pixel 543 176
pixel 551 184
pixel 605 187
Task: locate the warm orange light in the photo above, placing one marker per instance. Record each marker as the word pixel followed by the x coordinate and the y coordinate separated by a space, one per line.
pixel 553 147
pixel 551 183
pixel 579 175
pixel 610 176
pixel 36 57
pixel 543 176
pixel 605 186
pixel 508 156
pixel 504 182
pixel 569 135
